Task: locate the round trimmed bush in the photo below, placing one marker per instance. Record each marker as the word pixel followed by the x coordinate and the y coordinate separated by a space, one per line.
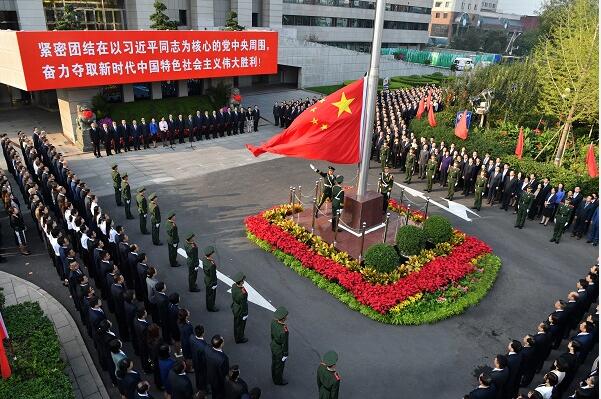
pixel 410 240
pixel 437 229
pixel 382 257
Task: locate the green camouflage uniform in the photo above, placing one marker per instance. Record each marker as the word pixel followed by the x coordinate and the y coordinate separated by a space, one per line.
pixel 409 166
pixel 523 206
pixel 172 242
pixel 117 186
pixel 210 271
pixel 155 222
pixel 562 216
pixel 126 195
pixel 430 172
pixel 452 181
pixel 240 311
pixel 479 191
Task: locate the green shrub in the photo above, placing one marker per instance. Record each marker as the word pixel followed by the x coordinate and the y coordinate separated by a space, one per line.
pixel 410 240
pixel 160 108
pixel 382 257
pixel 437 229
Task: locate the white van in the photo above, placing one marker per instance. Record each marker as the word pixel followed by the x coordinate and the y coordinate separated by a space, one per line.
pixel 463 63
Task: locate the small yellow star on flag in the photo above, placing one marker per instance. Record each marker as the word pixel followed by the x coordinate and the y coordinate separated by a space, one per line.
pixel 313 109
pixel 324 126
pixel 343 104
pixel 323 100
pixel 314 121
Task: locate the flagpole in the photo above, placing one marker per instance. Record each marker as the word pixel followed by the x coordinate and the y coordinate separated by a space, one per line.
pixel 370 103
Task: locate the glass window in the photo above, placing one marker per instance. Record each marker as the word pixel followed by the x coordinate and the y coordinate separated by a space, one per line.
pixel 183 17
pixel 444 14
pixel 112 93
pixel 195 87
pixel 142 91
pixel 342 22
pixel 169 88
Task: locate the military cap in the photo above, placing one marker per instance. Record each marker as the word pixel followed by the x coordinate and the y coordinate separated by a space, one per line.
pixel 239 277
pixel 114 166
pixel 330 358
pixel 170 214
pixel 152 196
pixel 280 313
pixel 141 189
pixel 124 175
pixel 209 250
pixel 189 236
pixel 339 179
pixel 331 168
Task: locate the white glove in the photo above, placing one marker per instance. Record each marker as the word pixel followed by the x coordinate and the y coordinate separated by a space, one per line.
pixel 565 224
pixel 244 317
pixel 174 245
pixel 128 201
pixel 284 358
pixel 214 287
pixel 157 224
pixel 145 215
pixel 555 220
pixel 119 189
pixel 455 184
pixel 313 167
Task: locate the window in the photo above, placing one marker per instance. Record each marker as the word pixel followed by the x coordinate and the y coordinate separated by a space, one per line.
pixel 9 20
pixel 92 14
pixel 142 91
pixel 255 19
pixel 183 18
pixel 439 30
pixel 462 4
pixel 444 14
pixel 112 93
pixel 437 15
pixel 169 88
pixel 446 4
pixel 469 6
pixel 438 4
pixel 475 6
pixel 297 20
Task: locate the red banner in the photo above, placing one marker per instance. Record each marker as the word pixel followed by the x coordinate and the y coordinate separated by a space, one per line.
pixel 61 59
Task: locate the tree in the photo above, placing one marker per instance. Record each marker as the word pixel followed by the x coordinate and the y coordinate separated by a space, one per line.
pixel 567 65
pixel 160 20
pixel 488 41
pixel 68 20
pixel 232 22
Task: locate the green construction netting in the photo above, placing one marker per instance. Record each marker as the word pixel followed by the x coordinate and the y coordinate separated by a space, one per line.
pixel 438 58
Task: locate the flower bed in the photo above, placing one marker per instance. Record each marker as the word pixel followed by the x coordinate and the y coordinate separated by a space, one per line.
pixel 455 275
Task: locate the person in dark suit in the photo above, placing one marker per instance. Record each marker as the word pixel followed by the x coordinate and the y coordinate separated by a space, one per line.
pixel 241 120
pixel 234 120
pixel 128 378
pixel 583 215
pixel 145 132
pixel 548 207
pixel 172 317
pixel 117 292
pixel 542 343
pixel 96 138
pixel 485 390
pixel 585 339
pixel 514 363
pixel 142 391
pixel 570 361
pixel 276 113
pixel 125 133
pixel 199 347
pixel 215 124
pixel 510 185
pixel 493 186
pixel 189 128
pixel 162 302
pixel 95 314
pixel 529 360
pixel 136 133
pixel 102 336
pixel 577 199
pixel 218 366
pixel 542 196
pixel 572 313
pixel 107 136
pixel 115 132
pixel 171 126
pixel 206 125
pixel 499 376
pixel 256 115
pixel 130 306
pixel 221 121
pixel 181 387
pixel 141 336
pixel 198 125
pixel 180 125
pixel 235 387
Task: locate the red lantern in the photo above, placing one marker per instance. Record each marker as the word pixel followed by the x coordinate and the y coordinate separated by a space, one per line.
pixel 237 98
pixel 87 114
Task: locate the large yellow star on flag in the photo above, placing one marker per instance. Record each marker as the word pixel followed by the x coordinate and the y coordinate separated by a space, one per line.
pixel 343 104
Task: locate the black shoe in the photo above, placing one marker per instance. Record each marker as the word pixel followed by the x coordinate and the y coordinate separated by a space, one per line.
pixel 195 290
pixel 130 218
pixel 552 240
pixel 176 265
pixel 556 242
pixel 159 243
pixel 242 341
pixel 215 309
pixel 521 227
pixel 283 382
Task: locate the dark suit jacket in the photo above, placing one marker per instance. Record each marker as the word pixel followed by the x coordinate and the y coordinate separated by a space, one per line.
pixel 124 130
pixel 96 135
pixel 181 387
pixel 499 379
pixel 163 308
pixel 129 384
pixel 218 366
pixel 483 393
pixel 135 130
pixel 514 364
pixel 198 348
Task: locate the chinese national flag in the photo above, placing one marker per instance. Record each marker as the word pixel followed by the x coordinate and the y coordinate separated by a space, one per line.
pixel 461 127
pixel 329 130
pixel 519 148
pixel 591 162
pixel 420 109
pixel 431 118
pixel 4 365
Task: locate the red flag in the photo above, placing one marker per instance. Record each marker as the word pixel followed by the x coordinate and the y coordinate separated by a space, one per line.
pixel 431 118
pixel 591 162
pixel 461 129
pixel 420 109
pixel 4 365
pixel 329 130
pixel 519 148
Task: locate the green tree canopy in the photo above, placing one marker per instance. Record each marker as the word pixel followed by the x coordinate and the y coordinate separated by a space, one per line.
pixel 232 22
pixel 68 20
pixel 160 20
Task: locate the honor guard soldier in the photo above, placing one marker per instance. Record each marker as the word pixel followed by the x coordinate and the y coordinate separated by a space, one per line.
pixel 337 201
pixel 210 270
pixel 239 307
pixel 562 217
pixel 479 189
pixel 142 209
pixel 279 345
pixel 523 205
pixel 116 184
pixel 431 167
pixel 155 219
pixel 172 239
pixel 385 186
pixel 452 178
pixel 328 380
pixel 409 165
pixel 193 265
pixel 126 195
pixel 329 180
pixel 384 155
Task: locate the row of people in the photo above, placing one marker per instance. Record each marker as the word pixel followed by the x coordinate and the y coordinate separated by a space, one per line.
pixel 523 360
pixel 227 121
pixel 285 112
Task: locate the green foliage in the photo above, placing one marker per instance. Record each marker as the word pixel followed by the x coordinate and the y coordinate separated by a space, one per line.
pixel 219 94
pixel 488 41
pixel 2 298
pixel 427 310
pixel 68 20
pixel 395 82
pixel 327 90
pixel 160 108
pixel 38 368
pixel 232 22
pixel 410 240
pixel 437 229
pixel 100 106
pixel 160 20
pixel 382 257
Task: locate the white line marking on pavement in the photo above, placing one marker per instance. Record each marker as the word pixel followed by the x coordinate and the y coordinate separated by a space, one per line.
pixel 253 295
pixel 455 208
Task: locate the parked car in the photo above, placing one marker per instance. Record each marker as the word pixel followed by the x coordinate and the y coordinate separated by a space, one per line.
pixel 463 63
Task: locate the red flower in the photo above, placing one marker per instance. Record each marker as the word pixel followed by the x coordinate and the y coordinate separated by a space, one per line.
pixel 87 114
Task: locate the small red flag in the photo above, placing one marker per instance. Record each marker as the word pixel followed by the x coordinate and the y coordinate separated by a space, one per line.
pixel 420 109
pixel 591 162
pixel 461 129
pixel 4 365
pixel 431 117
pixel 519 148
pixel 329 130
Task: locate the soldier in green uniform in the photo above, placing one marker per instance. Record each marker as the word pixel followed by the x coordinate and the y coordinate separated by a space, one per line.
pixel 452 178
pixel 279 345
pixel 210 269
pixel 142 209
pixel 409 165
pixel 385 186
pixel 337 201
pixel 562 218
pixel 192 262
pixel 239 307
pixel 155 219
pixel 431 167
pixel 172 239
pixel 384 155
pixel 329 180
pixel 116 184
pixel 126 195
pixel 328 380
pixel 479 190
pixel 523 206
